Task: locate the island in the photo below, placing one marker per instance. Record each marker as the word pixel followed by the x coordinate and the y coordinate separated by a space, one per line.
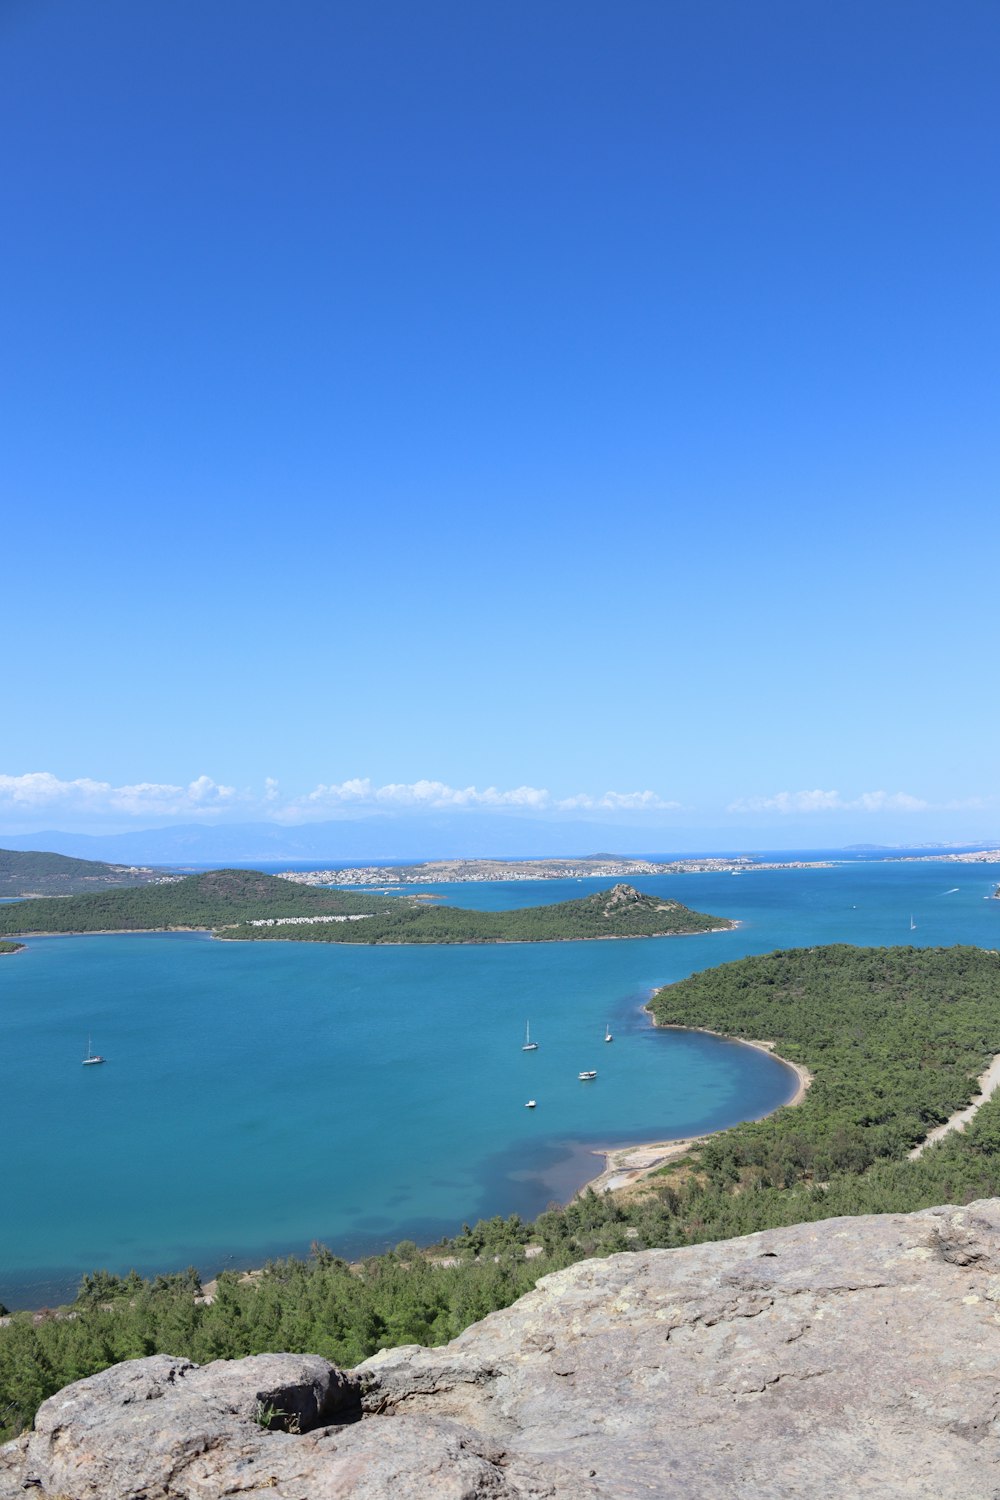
pixel 251 906
pixel 619 912
pixel 32 872
pixel 7 947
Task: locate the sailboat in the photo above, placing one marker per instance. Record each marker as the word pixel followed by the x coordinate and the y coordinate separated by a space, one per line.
pixel 529 1045
pixel 607 1032
pixel 92 1057
pixel 913 925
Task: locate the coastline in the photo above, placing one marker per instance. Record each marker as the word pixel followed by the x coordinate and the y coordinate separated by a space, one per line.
pixel 600 937
pixel 627 1165
pixel 606 937
pixel 116 932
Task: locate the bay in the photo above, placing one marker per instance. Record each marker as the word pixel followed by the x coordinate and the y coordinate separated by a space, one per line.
pixel 258 1097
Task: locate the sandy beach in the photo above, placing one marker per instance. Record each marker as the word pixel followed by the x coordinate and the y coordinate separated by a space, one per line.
pixel 624 1165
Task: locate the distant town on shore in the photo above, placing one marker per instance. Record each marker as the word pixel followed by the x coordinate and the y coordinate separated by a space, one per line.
pixel 589 867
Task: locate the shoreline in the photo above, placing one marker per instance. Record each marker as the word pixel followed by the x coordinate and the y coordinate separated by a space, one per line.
pixel 118 932
pixel 626 1165
pixel 601 937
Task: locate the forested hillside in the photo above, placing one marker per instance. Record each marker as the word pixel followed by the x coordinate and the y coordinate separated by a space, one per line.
pixel 244 904
pixel 201 901
pixel 615 913
pixel 30 872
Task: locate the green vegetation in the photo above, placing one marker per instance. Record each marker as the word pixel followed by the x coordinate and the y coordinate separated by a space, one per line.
pixel 32 873
pixel 6 947
pixel 196 901
pixel 616 913
pixel 230 901
pixel 896 1038
pixel 893 1036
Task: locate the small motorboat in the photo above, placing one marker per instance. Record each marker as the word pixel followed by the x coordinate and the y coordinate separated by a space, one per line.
pixel 530 1104
pixel 588 1075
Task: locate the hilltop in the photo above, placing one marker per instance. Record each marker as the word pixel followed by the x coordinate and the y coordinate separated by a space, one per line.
pixel 31 872
pixel 831 1360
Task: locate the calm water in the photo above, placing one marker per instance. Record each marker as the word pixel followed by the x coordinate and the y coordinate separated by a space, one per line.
pixel 258 1097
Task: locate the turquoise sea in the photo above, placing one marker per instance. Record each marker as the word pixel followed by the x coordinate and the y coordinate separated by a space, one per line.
pixel 258 1097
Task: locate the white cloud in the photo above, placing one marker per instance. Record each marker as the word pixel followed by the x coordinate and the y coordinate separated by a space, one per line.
pixel 620 802
pixel 437 795
pixel 40 791
pixel 819 801
pixel 361 791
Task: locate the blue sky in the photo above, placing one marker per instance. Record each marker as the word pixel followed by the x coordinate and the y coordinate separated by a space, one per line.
pixel 552 408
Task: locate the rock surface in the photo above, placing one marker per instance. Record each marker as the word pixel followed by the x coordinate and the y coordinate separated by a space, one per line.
pixel 847 1358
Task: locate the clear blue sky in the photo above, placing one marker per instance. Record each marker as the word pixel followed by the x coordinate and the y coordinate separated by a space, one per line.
pixel 582 397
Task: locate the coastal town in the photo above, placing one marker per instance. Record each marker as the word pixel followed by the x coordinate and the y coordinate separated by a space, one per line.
pixel 590 867
pixel 976 857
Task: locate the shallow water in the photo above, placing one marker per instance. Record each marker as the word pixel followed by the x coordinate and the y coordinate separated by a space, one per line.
pixel 260 1096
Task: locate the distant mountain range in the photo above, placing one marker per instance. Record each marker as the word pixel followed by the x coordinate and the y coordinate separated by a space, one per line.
pixel 389 839
pixel 365 840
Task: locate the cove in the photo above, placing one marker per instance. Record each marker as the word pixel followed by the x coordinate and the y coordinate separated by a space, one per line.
pixel 258 1097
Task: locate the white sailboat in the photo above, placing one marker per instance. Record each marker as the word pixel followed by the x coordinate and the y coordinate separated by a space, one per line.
pixel 607 1032
pixel 913 925
pixel 92 1057
pixel 529 1045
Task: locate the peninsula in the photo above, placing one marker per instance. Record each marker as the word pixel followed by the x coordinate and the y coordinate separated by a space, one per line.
pixel 249 905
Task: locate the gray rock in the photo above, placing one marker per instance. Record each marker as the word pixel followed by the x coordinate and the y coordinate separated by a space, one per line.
pixel 847 1358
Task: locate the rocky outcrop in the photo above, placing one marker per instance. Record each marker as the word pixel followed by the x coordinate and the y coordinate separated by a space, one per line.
pixel 854 1356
